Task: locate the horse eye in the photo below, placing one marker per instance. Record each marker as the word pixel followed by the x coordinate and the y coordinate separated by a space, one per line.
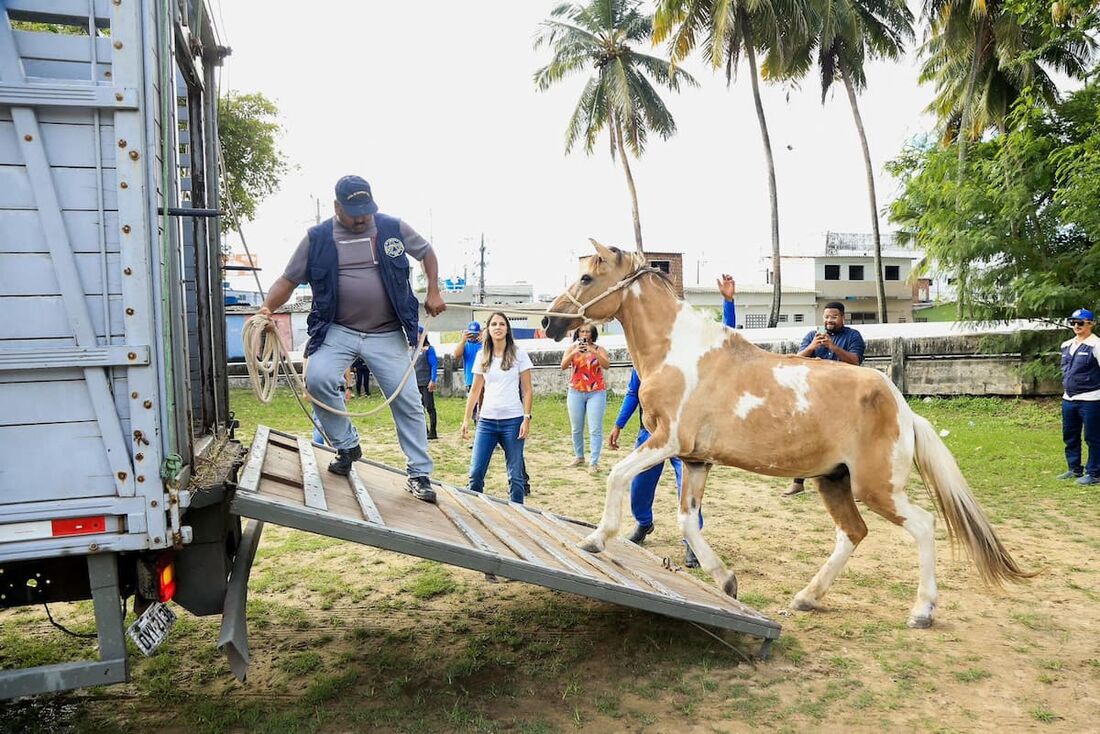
pixel 586 279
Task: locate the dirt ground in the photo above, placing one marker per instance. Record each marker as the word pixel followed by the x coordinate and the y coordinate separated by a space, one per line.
pixel 351 638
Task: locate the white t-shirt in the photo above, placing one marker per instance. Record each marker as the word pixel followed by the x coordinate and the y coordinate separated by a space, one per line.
pixel 1073 344
pixel 501 398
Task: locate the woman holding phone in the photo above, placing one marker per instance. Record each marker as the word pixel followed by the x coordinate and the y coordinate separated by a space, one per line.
pixel 587 399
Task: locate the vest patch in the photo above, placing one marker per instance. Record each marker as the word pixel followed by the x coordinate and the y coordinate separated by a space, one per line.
pixel 394 247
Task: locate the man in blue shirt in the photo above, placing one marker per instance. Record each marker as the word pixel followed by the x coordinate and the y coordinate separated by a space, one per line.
pixel 466 352
pixel 834 341
pixel 1081 399
pixel 644 486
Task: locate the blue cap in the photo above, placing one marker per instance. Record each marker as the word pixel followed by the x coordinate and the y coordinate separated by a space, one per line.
pixel 354 196
pixel 1082 313
pixel 473 327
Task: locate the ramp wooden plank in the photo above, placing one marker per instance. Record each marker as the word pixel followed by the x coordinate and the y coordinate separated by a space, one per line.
pixel 311 480
pixel 250 477
pixel 474 531
pixel 366 504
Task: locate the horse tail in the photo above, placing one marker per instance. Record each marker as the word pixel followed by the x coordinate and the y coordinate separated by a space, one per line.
pixel 966 522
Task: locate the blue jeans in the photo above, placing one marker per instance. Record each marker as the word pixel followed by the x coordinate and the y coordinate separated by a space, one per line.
pixel 591 405
pixel 1075 415
pixel 387 356
pixel 489 433
pixel 644 486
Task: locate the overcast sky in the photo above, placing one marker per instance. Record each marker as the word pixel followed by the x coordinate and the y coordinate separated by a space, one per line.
pixel 433 103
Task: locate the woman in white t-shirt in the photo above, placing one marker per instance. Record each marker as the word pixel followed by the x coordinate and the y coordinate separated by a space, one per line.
pixel 502 372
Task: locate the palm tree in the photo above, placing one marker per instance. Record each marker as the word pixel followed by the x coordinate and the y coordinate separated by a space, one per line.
pixel 847 34
pixel 619 96
pixel 981 57
pixel 731 28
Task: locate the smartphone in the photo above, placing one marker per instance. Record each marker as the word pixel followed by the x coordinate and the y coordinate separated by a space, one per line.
pixel 821 330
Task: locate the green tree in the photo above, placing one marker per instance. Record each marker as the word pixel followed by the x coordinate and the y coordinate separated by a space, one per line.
pixel 620 96
pixel 1023 216
pixel 730 28
pixel 981 55
pixel 253 164
pixel 844 35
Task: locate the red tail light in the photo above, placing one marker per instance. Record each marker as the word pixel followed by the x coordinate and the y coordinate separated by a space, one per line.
pixel 166 577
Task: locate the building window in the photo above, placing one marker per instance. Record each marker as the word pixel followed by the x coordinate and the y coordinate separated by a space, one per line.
pixel 861 317
pixel 798 318
pixel 855 272
pixel 663 265
pixel 782 318
pixel 893 272
pixel 756 321
pixel 832 272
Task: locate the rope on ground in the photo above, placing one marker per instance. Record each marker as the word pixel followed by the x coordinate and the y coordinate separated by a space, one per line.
pixel 264 352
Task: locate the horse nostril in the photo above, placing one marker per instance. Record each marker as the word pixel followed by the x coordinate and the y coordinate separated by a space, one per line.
pixel 545 321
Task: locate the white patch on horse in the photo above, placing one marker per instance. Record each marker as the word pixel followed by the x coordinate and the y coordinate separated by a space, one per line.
pixel 635 290
pixel 747 402
pixel 795 378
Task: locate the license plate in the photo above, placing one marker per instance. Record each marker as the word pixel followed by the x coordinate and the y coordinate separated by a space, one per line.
pixel 151 629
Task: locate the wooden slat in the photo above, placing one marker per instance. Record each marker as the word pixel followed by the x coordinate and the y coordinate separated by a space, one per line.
pixel 311 479
pixel 600 563
pixel 370 510
pixel 514 513
pixel 250 477
pixel 503 535
pixel 464 527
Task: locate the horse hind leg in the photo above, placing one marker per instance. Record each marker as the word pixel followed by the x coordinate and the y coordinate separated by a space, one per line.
pixel 691 503
pixel 891 502
pixel 836 493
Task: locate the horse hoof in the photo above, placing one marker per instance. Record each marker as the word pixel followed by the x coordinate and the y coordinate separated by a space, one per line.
pixel 802 604
pixel 591 544
pixel 919 623
pixel 730 587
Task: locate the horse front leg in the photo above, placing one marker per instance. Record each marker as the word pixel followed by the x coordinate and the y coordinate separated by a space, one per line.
pixel 618 481
pixel 691 504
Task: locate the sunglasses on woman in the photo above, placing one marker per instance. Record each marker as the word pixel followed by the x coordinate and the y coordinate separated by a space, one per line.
pixel 1076 322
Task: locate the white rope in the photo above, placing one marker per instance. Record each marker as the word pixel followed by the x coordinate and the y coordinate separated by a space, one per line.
pixel 264 352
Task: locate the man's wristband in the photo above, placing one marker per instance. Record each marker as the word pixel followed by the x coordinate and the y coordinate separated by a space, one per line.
pixel 527 416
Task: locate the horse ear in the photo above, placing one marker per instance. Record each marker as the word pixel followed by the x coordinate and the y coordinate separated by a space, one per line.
pixel 604 252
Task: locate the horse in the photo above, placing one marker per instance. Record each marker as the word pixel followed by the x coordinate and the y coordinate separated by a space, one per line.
pixel 710 397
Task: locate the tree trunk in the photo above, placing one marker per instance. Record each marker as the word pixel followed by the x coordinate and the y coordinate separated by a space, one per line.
pixel 962 306
pixel 880 286
pixel 618 133
pixel 750 55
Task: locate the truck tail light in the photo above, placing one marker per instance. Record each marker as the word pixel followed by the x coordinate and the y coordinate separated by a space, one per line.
pixel 166 577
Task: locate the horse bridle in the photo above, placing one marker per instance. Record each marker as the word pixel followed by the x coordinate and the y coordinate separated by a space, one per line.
pixel 582 307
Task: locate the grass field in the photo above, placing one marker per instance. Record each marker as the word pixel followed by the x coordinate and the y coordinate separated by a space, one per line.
pixel 350 638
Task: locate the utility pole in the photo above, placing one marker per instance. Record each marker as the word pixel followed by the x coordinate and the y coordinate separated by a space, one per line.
pixel 481 276
pixel 317 218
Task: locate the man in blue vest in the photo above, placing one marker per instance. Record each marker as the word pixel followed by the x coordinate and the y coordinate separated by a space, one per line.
pixel 1081 400
pixel 357 265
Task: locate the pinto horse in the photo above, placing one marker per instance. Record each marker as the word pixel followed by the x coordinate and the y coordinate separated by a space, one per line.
pixel 710 397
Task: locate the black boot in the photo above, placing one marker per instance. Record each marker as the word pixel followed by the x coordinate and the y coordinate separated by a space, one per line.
pixel 690 560
pixel 344 459
pixel 639 533
pixel 421 488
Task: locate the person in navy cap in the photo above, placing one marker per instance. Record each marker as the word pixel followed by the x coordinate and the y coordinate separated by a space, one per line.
pixel 1081 400
pixel 357 264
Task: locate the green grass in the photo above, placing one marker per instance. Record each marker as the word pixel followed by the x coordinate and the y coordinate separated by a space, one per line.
pixel 346 637
pixel 939 312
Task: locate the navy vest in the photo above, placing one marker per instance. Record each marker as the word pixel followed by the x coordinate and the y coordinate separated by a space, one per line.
pixel 1080 371
pixel 324 276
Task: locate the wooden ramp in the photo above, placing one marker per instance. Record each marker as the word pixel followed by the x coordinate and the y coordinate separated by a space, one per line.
pixel 285 482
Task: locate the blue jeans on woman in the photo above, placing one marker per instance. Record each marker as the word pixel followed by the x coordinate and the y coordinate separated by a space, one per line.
pixel 488 434
pixel 591 405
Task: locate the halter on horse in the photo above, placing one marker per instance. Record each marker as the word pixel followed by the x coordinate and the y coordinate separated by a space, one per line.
pixel 710 397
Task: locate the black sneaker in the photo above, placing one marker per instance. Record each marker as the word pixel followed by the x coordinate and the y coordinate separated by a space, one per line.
pixel 344 459
pixel 433 436
pixel 421 488
pixel 690 559
pixel 639 533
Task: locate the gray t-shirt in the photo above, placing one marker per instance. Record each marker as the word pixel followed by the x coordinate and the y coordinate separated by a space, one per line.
pixel 363 304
